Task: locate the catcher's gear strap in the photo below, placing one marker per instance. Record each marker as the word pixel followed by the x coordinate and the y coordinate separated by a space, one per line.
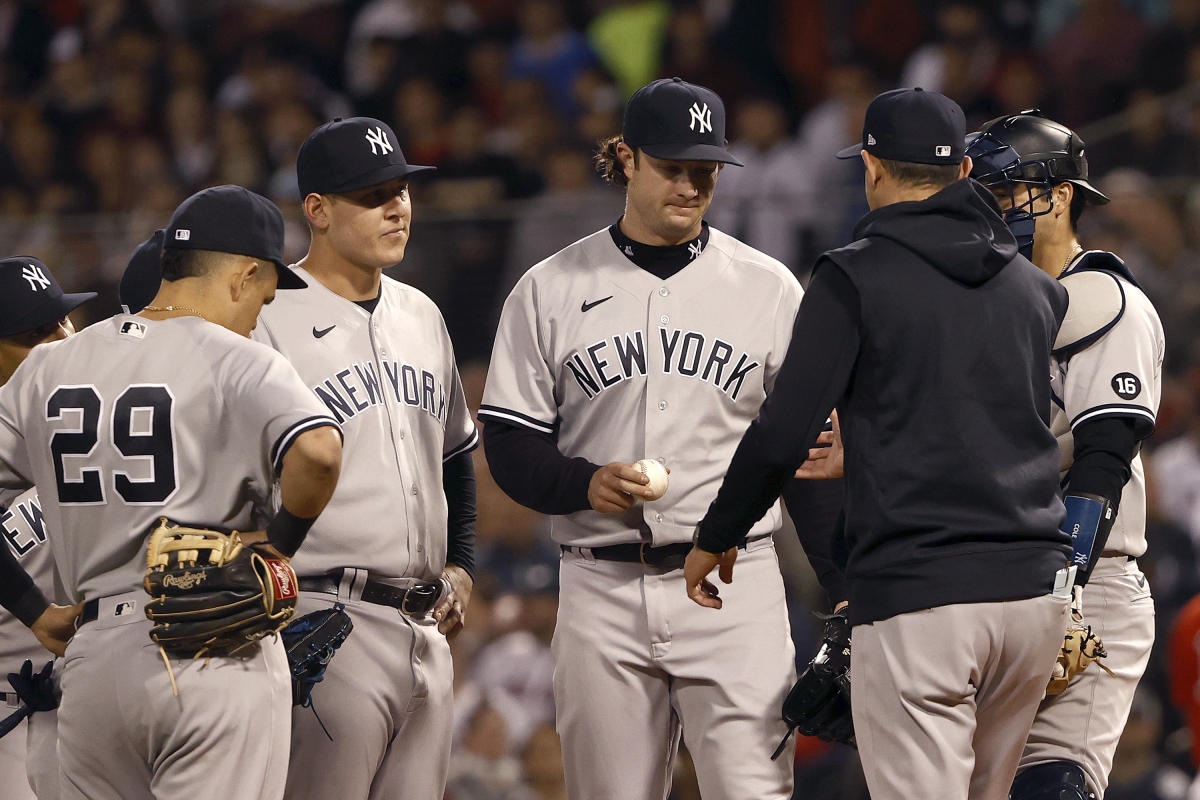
pixel 1089 520
pixel 1054 780
pixel 1096 303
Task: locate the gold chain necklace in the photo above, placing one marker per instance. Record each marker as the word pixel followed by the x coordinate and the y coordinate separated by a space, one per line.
pixel 1078 248
pixel 181 309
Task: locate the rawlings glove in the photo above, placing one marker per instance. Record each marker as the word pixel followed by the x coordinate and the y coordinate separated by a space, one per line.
pixel 1080 648
pixel 819 704
pixel 37 693
pixel 211 595
pixel 310 642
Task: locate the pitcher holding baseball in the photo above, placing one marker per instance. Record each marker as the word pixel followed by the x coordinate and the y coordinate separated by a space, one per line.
pixel 657 339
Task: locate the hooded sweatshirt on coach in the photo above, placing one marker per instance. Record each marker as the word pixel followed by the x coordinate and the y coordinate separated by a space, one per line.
pixel 932 337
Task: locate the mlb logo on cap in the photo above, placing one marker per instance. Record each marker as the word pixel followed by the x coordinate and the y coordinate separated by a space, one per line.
pixel 183 235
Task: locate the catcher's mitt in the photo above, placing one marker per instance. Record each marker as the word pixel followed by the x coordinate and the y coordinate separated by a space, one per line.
pixel 819 704
pixel 1080 648
pixel 211 595
pixel 311 641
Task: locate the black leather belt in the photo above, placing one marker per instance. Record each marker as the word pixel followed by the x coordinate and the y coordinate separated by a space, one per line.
pixel 1117 554
pixel 91 611
pixel 665 558
pixel 415 601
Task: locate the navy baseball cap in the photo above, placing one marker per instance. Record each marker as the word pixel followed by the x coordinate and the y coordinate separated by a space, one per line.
pixel 231 219
pixel 914 126
pixel 143 275
pixel 348 154
pixel 673 119
pixel 30 297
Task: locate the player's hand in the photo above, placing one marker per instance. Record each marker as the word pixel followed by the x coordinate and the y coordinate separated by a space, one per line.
pixel 261 543
pixel 696 568
pixel 616 487
pixel 827 461
pixel 55 627
pixel 451 610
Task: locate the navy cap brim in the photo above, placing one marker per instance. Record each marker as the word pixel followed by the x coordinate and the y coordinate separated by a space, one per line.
pixel 62 306
pixel 374 178
pixel 690 152
pixel 850 152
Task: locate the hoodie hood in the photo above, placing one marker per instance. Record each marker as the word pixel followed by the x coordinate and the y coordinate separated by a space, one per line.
pixel 959 231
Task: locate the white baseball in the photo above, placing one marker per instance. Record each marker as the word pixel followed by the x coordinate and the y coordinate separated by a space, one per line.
pixel 657 473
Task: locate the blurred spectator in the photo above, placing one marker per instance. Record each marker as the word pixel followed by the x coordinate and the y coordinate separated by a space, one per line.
pixel 628 36
pixel 1138 773
pixel 962 60
pixel 692 54
pixel 762 203
pixel 550 52
pixel 482 768
pixel 1089 60
pixel 1162 65
pixel 541 762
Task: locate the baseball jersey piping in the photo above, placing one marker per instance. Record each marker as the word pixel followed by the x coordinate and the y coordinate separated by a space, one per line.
pixel 284 443
pixel 1112 410
pixel 516 418
pixel 470 444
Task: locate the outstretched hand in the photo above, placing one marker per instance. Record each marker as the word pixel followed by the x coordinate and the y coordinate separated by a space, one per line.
pixel 828 459
pixel 696 568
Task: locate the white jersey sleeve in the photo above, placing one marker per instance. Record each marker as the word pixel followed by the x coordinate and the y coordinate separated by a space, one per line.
pixel 15 471
pixel 1121 372
pixel 522 391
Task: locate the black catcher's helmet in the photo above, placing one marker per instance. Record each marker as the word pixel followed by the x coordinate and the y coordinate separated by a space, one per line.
pixel 1048 154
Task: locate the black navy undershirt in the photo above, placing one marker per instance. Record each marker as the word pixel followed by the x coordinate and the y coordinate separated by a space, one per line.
pixel 369 305
pixel 661 261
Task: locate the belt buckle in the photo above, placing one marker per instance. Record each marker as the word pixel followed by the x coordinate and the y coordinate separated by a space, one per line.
pixel 662 561
pixel 425 594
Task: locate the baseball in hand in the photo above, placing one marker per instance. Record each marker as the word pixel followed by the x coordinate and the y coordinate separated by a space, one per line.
pixel 657 473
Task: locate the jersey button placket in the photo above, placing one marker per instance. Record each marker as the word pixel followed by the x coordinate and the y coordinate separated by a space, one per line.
pixel 660 390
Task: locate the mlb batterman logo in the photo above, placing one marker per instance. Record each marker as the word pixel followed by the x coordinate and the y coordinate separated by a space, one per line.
pixel 942 150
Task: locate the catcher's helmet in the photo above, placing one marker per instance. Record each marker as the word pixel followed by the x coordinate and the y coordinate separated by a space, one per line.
pixel 1049 154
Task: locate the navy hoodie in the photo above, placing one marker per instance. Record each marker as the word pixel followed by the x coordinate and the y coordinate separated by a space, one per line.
pixel 940 374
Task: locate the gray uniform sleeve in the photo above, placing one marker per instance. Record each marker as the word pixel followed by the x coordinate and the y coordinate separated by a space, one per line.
pixel 1119 374
pixel 520 384
pixel 15 470
pixel 273 402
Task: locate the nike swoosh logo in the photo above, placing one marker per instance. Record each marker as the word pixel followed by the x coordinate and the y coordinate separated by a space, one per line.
pixel 1141 581
pixel 589 306
pixel 319 334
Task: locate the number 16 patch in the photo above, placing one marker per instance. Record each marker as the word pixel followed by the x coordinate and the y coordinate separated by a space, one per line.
pixel 1126 385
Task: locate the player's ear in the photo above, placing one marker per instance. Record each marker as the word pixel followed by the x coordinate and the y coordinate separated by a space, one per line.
pixel 966 167
pixel 1064 193
pixel 628 159
pixel 316 211
pixel 245 273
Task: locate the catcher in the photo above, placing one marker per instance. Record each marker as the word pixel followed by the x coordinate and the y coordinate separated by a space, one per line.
pixel 173 414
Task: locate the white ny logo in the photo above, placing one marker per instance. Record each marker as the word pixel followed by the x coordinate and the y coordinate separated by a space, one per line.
pixel 378 137
pixel 701 115
pixel 37 279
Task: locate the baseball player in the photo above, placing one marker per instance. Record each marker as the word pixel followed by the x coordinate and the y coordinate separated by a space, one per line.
pixel 33 310
pixel 655 338
pixel 1105 384
pixel 396 544
pixel 174 413
pixel 932 336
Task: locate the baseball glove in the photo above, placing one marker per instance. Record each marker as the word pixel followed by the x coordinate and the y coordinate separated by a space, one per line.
pixel 819 704
pixel 212 595
pixel 1080 648
pixel 310 642
pixel 37 691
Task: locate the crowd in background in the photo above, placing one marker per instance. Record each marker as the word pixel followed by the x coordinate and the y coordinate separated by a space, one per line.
pixel 113 111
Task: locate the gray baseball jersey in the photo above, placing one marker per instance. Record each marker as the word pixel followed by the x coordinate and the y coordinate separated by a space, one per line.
pixel 624 365
pixel 1120 374
pixel 131 419
pixel 390 379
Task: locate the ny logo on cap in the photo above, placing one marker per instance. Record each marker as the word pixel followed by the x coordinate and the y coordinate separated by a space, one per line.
pixel 378 137
pixel 37 279
pixel 703 115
